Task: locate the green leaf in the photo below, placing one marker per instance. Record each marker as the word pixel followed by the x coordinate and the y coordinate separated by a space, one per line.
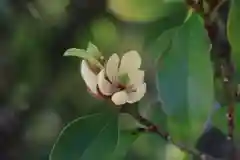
pixel 185 81
pixel 144 10
pixel 93 51
pixel 87 138
pixel 92 54
pixel 81 53
pixel 126 139
pixel 233 33
pixel 160 46
pixel 172 152
pixel 105 33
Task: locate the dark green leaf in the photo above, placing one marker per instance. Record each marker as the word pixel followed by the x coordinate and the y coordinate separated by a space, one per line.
pixel 185 81
pixel 234 34
pixel 126 139
pixel 87 138
pixel 160 46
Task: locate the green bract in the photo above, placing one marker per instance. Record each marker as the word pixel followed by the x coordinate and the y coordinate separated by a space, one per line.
pixel 91 54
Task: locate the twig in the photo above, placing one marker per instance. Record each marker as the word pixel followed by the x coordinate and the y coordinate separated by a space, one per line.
pixel 152 128
pixel 230 94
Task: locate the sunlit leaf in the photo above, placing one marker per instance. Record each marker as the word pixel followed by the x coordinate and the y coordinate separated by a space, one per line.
pixel 172 153
pixel 105 33
pixel 93 50
pixel 92 54
pixel 144 10
pixel 87 138
pixel 81 53
pixel 185 81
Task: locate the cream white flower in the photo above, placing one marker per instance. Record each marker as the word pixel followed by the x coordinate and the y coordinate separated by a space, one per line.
pixel 122 80
pixel 89 76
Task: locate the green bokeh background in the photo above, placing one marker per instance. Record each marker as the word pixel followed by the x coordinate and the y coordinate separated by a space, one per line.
pixel 41 91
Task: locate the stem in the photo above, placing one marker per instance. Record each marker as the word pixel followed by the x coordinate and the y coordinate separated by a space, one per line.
pixel 152 128
pixel 230 94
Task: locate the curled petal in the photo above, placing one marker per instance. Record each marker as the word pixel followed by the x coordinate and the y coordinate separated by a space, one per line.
pixel 130 61
pixel 105 87
pixel 112 67
pixel 89 77
pixel 138 94
pixel 120 98
pixel 136 78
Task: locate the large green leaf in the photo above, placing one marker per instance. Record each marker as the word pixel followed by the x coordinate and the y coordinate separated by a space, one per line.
pixel 126 139
pixel 185 81
pixel 234 34
pixel 162 43
pixel 87 138
pixel 144 10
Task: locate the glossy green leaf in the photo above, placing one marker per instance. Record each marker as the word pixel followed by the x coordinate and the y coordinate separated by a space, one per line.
pixel 234 34
pixel 87 138
pixel 126 139
pixel 144 10
pixel 160 46
pixel 185 81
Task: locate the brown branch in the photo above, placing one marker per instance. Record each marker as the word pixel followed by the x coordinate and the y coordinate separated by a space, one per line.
pixel 228 84
pixel 152 128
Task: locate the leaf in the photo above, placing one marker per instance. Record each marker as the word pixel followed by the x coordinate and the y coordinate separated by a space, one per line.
pixel 102 27
pixel 87 138
pixel 160 46
pixel 92 54
pixel 93 51
pixel 233 33
pixel 172 152
pixel 126 139
pixel 185 81
pixel 144 10
pixel 81 53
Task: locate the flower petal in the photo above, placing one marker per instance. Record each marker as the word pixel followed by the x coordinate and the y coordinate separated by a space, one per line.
pixel 130 61
pixel 136 96
pixel 105 87
pixel 89 77
pixel 136 78
pixel 120 98
pixel 112 67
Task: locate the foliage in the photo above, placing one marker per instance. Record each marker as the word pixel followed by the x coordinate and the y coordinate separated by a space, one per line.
pixel 190 59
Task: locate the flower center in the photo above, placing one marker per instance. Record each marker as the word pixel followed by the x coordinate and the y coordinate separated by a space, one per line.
pixel 123 79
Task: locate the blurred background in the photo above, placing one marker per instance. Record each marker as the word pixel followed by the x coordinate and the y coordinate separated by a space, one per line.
pixel 41 91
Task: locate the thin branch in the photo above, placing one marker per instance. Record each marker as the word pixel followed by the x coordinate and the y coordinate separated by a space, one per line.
pixel 152 128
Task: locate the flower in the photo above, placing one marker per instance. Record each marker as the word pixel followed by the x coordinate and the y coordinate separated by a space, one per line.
pixel 123 80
